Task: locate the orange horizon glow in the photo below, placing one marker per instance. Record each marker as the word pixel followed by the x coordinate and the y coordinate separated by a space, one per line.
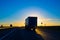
pixel 16 14
pixel 45 23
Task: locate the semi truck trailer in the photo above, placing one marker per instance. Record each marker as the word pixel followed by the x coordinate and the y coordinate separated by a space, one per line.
pixel 31 23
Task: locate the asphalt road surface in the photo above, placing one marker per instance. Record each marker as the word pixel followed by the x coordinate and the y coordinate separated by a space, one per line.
pixel 19 34
pixel 23 34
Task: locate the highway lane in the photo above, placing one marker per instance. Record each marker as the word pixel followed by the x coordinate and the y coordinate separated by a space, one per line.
pixel 21 34
pixel 4 33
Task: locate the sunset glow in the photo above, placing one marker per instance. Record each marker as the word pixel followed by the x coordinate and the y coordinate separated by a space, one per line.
pixel 15 12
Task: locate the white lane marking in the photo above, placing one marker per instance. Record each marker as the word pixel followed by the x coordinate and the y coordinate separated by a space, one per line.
pixel 7 34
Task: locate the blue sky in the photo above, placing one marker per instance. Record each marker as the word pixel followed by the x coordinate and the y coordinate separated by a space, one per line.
pixel 9 9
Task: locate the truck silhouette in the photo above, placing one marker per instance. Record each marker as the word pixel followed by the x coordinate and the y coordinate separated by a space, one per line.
pixel 31 23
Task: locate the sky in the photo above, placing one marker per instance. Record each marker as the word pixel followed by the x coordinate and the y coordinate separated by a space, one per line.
pixel 16 11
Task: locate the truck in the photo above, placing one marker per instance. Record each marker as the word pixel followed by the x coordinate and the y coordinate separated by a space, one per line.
pixel 31 23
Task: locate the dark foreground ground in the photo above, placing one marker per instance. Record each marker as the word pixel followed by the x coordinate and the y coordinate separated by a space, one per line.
pixel 41 33
pixel 50 33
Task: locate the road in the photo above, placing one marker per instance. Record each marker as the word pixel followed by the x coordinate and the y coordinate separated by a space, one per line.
pixel 19 34
pixel 23 34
